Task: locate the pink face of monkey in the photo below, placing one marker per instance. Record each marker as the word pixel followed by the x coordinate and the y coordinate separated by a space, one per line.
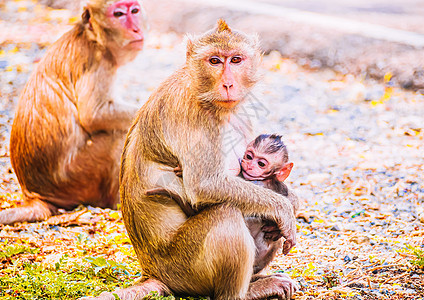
pixel 127 17
pixel 256 165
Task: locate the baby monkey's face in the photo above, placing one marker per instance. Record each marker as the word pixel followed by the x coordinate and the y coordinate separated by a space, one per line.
pixel 258 166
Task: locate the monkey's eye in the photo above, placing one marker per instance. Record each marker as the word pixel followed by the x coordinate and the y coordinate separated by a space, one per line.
pixel 214 60
pixel 135 10
pixel 118 14
pixel 236 60
pixel 249 157
pixel 262 163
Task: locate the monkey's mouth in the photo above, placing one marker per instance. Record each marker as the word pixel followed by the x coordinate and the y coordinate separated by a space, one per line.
pixel 137 44
pixel 137 41
pixel 227 103
pixel 250 177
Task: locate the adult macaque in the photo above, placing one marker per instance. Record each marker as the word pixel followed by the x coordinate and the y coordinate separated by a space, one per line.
pixel 68 131
pixel 182 124
pixel 265 163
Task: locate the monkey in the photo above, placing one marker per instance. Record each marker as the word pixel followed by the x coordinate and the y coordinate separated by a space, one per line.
pixel 265 163
pixel 69 129
pixel 182 124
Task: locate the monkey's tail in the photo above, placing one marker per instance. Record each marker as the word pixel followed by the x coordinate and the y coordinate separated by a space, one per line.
pixel 33 210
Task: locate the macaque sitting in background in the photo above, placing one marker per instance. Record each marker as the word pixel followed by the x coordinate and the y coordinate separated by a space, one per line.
pixel 69 129
pixel 265 163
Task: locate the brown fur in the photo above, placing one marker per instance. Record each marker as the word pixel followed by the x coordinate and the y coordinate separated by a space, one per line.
pixel 68 132
pixel 211 253
pixel 265 233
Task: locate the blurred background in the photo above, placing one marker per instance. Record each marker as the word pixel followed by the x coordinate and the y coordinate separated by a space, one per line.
pixel 369 38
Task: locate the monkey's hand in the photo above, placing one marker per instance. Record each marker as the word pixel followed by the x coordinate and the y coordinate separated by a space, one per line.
pixel 286 223
pixel 271 230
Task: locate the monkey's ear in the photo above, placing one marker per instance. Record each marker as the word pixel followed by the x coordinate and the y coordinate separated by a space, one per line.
pixel 190 44
pixel 284 172
pixel 85 16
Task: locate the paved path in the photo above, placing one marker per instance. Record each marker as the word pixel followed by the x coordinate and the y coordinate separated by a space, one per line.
pixel 325 19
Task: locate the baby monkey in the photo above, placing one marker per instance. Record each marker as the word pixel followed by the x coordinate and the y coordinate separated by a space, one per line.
pixel 265 163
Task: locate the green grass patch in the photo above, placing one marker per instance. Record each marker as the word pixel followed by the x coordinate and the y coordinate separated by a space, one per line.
pixel 10 251
pixel 66 280
pixel 419 253
pixel 21 277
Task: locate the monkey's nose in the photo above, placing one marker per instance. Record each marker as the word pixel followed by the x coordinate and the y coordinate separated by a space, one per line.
pixel 228 85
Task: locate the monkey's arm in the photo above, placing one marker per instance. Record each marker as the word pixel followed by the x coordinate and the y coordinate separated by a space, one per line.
pixel 294 200
pixel 185 206
pixel 281 188
pixel 97 111
pixel 206 184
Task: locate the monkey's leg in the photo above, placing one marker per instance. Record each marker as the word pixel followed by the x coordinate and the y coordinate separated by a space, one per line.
pixel 263 286
pixel 266 249
pixel 264 258
pixel 136 292
pixel 210 254
pixel 92 175
pixel 33 210
pixel 231 253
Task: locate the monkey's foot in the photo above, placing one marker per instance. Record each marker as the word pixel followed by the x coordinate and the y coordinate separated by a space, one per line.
pixel 280 286
pixel 136 292
pixel 66 218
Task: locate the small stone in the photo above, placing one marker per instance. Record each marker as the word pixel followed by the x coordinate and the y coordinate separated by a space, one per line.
pixel 360 239
pixel 421 217
pixel 373 206
pixel 347 259
pixel 335 228
pixel 410 291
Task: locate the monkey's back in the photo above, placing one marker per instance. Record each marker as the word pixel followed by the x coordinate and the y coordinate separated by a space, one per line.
pixel 46 135
pixel 147 162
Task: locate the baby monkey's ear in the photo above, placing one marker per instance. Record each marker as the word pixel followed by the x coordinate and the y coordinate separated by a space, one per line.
pixel 284 172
